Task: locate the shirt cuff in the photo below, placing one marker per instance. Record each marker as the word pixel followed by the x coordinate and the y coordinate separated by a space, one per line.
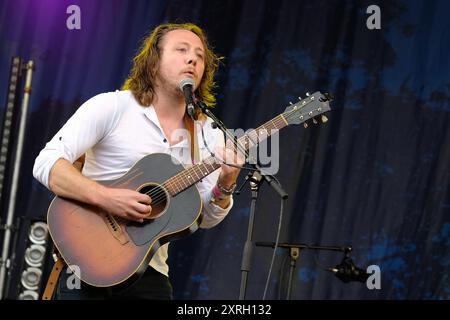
pixel 44 164
pixel 213 214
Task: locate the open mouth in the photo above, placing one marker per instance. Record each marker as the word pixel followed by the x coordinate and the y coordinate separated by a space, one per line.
pixel 189 73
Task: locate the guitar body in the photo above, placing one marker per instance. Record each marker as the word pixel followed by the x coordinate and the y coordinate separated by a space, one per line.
pixel 109 252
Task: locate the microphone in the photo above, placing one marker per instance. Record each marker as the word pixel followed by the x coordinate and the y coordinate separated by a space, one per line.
pixel 187 86
pixel 346 271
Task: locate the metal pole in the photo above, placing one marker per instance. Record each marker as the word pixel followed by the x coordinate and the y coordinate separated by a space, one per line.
pixel 255 181
pixel 15 178
pixel 293 254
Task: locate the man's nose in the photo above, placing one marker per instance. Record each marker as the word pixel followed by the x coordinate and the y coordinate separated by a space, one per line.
pixel 192 59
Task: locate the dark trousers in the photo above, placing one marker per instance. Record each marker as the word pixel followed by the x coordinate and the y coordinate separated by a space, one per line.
pixel 153 285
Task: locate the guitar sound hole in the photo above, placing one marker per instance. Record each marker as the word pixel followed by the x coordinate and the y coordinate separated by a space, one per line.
pixel 159 199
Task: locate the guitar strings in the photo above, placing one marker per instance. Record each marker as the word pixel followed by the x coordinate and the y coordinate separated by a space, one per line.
pixel 160 194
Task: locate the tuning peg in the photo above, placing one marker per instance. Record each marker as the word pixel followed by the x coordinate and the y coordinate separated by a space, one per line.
pixel 290 102
pixel 323 118
pixel 299 98
pixel 305 125
pixel 328 97
pixel 314 121
pixel 307 94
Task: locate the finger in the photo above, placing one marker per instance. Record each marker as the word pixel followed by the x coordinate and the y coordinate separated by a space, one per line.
pixel 137 215
pixel 231 157
pixel 134 217
pixel 219 155
pixel 229 144
pixel 142 208
pixel 144 198
pixel 240 159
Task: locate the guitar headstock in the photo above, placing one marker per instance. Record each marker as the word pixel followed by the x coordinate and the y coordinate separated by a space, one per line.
pixel 311 107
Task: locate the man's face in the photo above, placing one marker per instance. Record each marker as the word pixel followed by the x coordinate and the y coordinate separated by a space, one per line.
pixel 182 56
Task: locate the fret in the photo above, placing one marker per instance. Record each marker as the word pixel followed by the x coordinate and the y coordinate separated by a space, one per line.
pixel 195 170
pixel 246 142
pixel 188 177
pixel 183 180
pixel 249 138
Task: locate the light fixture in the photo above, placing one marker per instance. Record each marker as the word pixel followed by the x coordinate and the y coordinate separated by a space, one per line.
pixel 38 233
pixel 29 295
pixel 34 255
pixel 31 278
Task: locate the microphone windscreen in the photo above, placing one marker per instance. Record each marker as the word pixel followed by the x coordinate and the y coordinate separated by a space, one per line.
pixel 186 81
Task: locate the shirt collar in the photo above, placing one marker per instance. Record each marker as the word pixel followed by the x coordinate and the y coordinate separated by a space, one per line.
pixel 150 113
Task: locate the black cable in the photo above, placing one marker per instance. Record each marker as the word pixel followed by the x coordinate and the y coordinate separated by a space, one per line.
pixel 280 219
pixel 215 124
pixel 281 285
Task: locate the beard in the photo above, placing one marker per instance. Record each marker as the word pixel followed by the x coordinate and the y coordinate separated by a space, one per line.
pixel 168 86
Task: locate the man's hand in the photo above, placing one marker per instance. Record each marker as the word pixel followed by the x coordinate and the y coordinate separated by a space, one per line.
pixel 66 181
pixel 228 155
pixel 125 203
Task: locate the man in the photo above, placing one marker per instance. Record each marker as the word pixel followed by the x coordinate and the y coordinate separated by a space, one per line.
pixel 114 130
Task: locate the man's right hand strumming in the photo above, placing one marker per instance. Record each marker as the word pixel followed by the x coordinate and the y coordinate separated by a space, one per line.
pixel 125 203
pixel 66 181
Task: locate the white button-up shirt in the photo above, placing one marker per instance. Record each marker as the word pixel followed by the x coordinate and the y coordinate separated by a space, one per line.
pixel 114 132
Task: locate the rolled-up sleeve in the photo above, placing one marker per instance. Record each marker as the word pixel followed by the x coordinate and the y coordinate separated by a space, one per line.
pixel 85 128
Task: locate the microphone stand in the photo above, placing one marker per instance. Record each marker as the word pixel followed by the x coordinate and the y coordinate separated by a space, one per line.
pixel 255 177
pixel 294 253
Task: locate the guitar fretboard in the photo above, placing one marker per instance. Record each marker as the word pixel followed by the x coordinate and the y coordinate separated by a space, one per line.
pixel 186 178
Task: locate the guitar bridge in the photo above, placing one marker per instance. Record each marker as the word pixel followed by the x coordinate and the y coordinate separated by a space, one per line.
pixel 115 229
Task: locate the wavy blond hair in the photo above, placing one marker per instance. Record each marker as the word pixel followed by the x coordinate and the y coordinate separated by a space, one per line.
pixel 141 81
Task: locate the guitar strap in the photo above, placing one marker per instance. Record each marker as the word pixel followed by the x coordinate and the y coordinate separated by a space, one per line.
pixel 53 278
pixel 59 264
pixel 190 125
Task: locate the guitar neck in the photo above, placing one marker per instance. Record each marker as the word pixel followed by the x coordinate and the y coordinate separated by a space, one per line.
pixel 189 176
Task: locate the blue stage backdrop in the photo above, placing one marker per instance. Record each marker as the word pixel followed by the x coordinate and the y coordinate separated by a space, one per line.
pixel 375 176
